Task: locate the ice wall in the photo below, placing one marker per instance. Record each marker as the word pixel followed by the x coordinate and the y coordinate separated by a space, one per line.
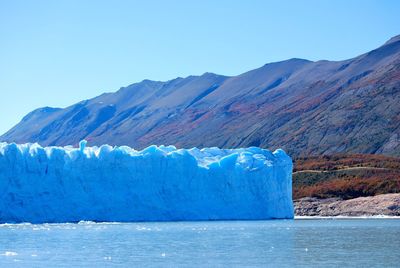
pixel 65 184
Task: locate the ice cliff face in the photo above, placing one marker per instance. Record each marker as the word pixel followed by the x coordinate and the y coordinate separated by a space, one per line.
pixel 65 184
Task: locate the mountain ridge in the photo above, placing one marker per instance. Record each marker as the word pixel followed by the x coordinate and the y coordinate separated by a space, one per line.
pixel 305 107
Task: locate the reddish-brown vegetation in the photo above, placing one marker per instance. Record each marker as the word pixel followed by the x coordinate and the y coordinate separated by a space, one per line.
pixel 341 176
pixel 341 161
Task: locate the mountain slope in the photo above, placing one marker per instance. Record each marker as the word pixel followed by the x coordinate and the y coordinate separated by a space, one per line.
pixel 301 106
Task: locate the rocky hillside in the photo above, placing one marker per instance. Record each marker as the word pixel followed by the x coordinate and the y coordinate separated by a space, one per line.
pixel 304 107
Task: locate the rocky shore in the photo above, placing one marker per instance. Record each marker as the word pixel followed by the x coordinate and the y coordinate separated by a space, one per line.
pixel 385 204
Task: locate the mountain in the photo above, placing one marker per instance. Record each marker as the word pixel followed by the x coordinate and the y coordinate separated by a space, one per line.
pixel 304 107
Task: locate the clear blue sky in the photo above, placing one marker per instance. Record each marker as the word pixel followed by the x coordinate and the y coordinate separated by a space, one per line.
pixel 56 53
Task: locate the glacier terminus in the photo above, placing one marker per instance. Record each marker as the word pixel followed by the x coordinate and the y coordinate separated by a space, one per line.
pixel 159 183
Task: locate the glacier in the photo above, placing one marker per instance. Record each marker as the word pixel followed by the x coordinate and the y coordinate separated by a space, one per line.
pixel 159 183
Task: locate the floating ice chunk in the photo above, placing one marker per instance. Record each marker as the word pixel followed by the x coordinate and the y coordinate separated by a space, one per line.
pixel 9 253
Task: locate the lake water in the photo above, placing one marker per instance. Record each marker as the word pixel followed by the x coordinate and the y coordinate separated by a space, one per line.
pixel 279 243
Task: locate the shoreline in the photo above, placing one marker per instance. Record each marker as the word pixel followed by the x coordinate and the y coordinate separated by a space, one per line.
pixel 365 217
pixel 296 218
pixel 378 206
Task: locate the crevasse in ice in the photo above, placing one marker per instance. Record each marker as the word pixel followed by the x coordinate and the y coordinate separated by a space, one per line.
pixel 160 183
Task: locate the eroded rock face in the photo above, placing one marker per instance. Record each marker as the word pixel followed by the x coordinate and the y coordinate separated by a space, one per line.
pixel 385 204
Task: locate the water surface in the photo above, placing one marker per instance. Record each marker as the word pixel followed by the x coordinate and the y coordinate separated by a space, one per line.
pixel 279 243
